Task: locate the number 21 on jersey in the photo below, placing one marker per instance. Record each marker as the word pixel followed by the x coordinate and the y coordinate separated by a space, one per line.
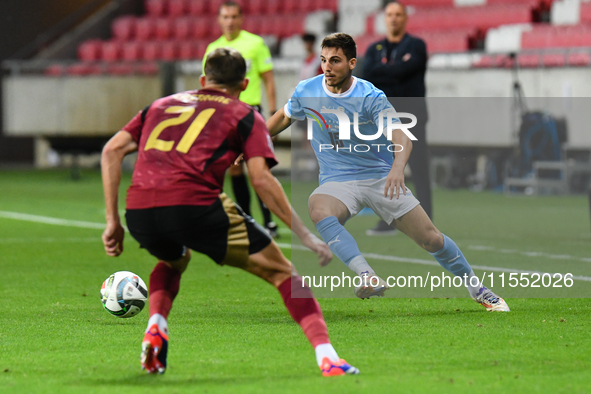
pixel 193 131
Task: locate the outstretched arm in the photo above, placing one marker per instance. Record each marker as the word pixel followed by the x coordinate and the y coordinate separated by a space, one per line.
pixel 114 151
pixel 278 122
pixel 272 194
pixel 395 178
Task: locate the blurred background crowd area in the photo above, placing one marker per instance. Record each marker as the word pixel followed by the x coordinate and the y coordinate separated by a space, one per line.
pixel 75 71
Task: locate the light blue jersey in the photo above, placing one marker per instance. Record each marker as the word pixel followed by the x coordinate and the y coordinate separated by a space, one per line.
pixel 349 159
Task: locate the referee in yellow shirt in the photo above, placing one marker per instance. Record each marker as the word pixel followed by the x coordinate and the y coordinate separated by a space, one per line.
pixel 259 66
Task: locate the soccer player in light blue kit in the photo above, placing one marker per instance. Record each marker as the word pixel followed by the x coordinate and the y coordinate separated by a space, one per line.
pixel 361 172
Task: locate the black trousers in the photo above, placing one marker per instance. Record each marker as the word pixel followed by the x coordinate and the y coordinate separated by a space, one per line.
pixel 419 163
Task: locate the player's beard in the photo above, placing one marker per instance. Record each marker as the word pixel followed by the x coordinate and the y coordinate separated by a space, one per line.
pixel 341 81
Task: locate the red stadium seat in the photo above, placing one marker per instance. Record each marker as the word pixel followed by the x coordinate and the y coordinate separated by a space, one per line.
pixel 446 41
pixel 198 7
pixel 544 36
pixel 260 25
pixel 257 7
pixel 131 51
pixel 123 28
pixel 151 50
pixel 554 60
pixel 90 51
pixel 331 5
pixel 529 60
pixel 290 6
pixel 201 48
pixel 579 59
pixel 279 25
pixel 364 42
pixel 250 24
pixel 431 3
pixel 169 51
pixel 182 28
pixel 462 17
pixel 163 28
pixel 144 29
pixel 214 6
pixel 79 69
pixel 111 51
pixel 120 69
pixel 155 7
pixel 55 70
pixel 177 8
pixel 187 50
pixel 585 12
pixel 200 27
pixel 493 61
pixel 265 28
pixel 274 6
pixel 307 5
pixel 295 24
pixel 148 68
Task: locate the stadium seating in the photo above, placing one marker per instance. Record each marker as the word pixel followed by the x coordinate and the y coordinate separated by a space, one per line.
pixel 471 17
pixel 111 51
pixel 131 51
pixel 177 8
pixel 90 51
pixel 123 28
pixel 546 36
pixel 151 50
pixel 163 28
pixel 198 7
pixel 582 59
pixel 144 28
pixel 155 7
pixel 181 29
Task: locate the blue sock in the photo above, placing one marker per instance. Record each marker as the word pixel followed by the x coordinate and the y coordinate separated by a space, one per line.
pixel 342 244
pixel 452 259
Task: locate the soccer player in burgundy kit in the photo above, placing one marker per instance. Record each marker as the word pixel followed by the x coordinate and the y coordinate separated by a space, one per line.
pixel 185 144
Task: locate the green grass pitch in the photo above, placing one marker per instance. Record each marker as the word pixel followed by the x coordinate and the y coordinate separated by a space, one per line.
pixel 230 332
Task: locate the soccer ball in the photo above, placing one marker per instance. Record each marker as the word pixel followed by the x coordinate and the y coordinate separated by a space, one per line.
pixel 124 294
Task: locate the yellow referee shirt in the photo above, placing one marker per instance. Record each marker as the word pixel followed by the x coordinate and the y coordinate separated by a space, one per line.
pixel 258 61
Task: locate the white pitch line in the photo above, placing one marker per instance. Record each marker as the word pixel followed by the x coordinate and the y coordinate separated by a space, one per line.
pixel 529 254
pixel 78 223
pixel 48 220
pixel 47 240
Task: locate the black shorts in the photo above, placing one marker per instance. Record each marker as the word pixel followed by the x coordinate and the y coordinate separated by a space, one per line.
pixel 220 230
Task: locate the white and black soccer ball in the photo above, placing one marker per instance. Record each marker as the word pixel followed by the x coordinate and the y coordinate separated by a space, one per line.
pixel 124 294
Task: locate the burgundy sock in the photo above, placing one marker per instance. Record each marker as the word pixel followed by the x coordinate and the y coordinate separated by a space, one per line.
pixel 164 286
pixel 304 309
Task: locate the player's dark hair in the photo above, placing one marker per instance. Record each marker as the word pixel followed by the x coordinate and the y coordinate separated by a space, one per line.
pixel 309 37
pixel 230 3
pixel 386 3
pixel 343 41
pixel 225 66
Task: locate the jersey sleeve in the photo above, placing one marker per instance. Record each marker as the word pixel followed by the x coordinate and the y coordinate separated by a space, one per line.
pixel 256 138
pixel 264 61
pixel 134 126
pixel 293 108
pixel 378 106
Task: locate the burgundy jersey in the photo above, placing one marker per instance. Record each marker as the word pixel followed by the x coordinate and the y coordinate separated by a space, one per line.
pixel 186 142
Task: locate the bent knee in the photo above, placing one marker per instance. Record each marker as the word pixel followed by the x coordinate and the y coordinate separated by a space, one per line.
pixel 432 241
pixel 318 214
pixel 182 263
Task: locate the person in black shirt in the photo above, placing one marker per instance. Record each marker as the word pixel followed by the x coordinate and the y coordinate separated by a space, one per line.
pixel 397 65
